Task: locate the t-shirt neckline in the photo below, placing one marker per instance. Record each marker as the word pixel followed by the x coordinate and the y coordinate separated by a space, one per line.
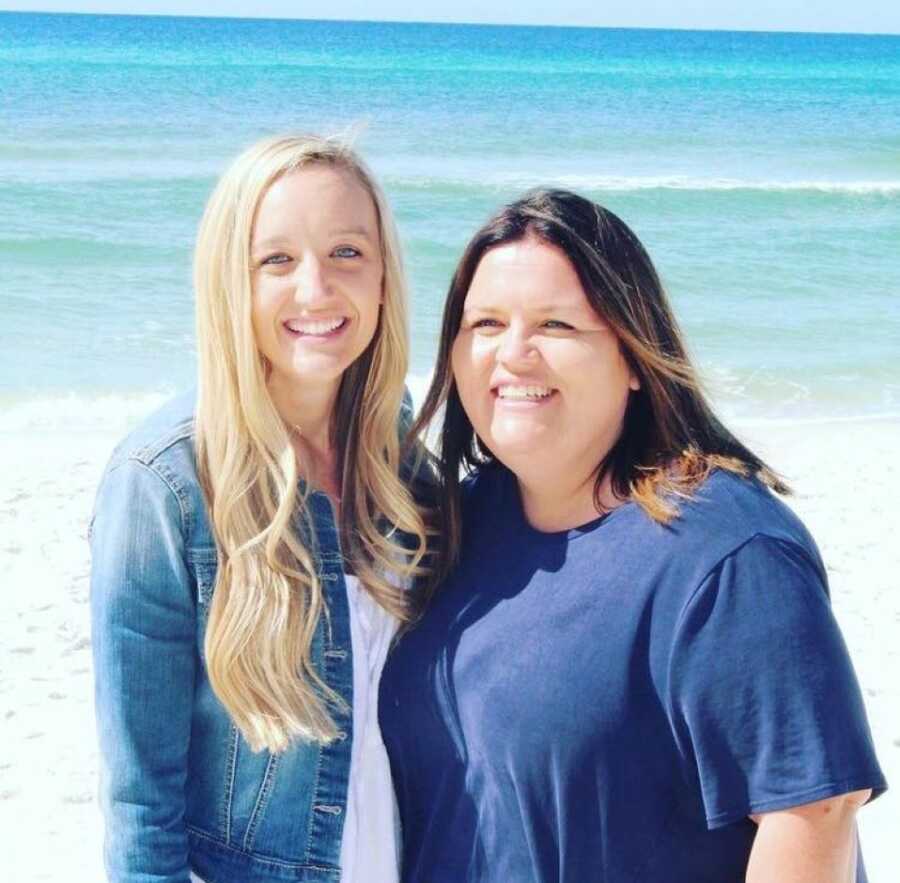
pixel 513 497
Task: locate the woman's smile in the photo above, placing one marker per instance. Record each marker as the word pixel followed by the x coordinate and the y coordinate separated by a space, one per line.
pixel 315 330
pixel 523 396
pixel 540 374
pixel 317 282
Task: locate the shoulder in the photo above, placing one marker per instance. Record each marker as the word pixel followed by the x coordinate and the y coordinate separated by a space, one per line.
pixel 726 517
pixel 752 554
pixel 742 497
pixel 156 462
pixel 163 441
pixel 729 511
pixel 758 591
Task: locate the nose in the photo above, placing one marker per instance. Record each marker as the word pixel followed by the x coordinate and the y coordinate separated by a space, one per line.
pixel 311 282
pixel 515 347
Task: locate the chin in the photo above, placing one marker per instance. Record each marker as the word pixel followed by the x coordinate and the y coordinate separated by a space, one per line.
pixel 514 446
pixel 321 370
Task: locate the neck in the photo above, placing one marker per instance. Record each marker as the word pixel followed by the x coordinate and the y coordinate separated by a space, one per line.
pixel 307 411
pixel 559 503
pixel 307 415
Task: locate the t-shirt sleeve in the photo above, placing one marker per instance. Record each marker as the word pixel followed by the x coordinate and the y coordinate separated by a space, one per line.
pixel 764 701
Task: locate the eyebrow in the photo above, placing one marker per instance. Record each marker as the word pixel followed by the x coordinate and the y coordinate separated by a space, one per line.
pixel 276 241
pixel 544 309
pixel 270 242
pixel 352 231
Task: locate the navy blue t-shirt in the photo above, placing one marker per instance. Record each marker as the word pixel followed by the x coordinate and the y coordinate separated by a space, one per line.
pixel 610 703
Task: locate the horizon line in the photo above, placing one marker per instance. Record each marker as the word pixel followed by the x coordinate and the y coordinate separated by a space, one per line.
pixel 448 23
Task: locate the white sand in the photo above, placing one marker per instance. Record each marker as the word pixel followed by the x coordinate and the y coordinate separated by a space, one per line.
pixel 848 484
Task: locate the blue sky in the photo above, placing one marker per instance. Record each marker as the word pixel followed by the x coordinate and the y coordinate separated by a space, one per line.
pixel 861 16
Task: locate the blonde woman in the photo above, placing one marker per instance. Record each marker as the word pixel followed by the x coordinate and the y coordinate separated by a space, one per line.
pixel 250 546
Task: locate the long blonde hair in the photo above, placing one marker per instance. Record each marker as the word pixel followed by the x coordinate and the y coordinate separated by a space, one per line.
pixel 268 596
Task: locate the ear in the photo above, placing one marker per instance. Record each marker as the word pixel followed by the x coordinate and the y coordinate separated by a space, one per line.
pixel 634 381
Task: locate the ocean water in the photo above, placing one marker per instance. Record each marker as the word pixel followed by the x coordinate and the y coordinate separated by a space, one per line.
pixel 762 171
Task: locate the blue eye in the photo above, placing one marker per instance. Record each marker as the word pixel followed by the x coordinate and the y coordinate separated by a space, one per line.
pixel 346 251
pixel 485 323
pixel 556 324
pixel 279 258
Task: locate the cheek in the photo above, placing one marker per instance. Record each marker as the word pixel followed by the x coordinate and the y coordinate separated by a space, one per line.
pixel 257 318
pixel 365 297
pixel 458 363
pixel 265 299
pixel 468 364
pixel 606 388
pixel 371 311
pixel 264 311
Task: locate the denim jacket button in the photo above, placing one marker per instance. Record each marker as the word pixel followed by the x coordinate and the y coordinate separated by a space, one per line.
pixel 332 810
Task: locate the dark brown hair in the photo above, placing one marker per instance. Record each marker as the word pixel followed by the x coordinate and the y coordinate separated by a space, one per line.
pixel 670 440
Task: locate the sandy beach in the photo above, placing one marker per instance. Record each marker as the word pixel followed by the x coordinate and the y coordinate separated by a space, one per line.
pixel 846 479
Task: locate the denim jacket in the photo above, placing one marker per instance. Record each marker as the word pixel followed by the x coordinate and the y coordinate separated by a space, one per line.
pixel 180 788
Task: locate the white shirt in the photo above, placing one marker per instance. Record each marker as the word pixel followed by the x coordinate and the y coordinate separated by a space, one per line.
pixel 370 845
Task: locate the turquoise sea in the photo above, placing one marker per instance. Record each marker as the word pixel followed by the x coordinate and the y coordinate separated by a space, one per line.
pixel 761 170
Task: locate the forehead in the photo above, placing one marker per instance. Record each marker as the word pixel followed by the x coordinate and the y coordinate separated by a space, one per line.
pixel 527 273
pixel 315 197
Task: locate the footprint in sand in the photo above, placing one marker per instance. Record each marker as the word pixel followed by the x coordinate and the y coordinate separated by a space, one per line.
pixel 80 644
pixel 65 629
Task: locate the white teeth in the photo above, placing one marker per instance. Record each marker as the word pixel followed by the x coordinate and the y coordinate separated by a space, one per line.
pixel 321 327
pixel 524 392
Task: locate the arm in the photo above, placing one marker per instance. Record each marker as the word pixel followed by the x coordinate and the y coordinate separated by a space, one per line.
pixel 814 843
pixel 143 636
pixel 766 704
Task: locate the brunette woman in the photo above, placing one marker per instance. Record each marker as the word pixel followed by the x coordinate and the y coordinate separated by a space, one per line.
pixel 633 674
